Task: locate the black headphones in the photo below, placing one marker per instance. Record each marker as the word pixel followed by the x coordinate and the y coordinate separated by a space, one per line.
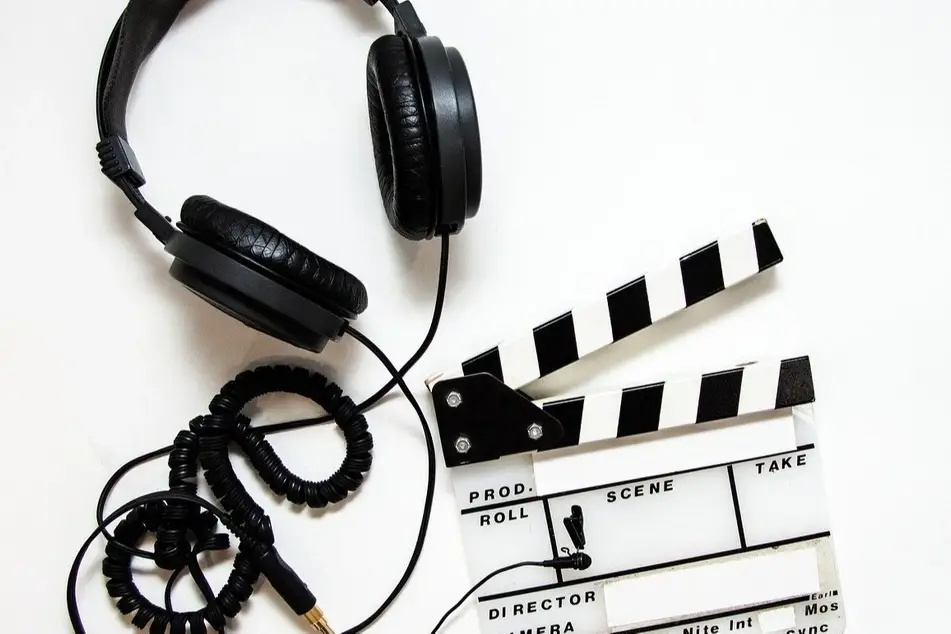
pixel 425 134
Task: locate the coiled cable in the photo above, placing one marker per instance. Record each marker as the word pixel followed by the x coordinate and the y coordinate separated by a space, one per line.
pixel 185 524
pixel 117 568
pixel 206 442
pixel 227 424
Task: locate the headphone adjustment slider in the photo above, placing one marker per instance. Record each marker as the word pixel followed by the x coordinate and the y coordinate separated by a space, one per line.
pixel 407 21
pixel 117 160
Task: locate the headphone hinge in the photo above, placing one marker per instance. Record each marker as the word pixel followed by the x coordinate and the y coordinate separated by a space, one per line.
pixel 160 226
pixel 407 21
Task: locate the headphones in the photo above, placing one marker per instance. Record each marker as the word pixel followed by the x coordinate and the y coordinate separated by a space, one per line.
pixel 425 136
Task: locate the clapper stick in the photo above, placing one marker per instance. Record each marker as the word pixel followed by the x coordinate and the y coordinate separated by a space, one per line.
pixel 626 310
pixel 483 415
pixel 752 388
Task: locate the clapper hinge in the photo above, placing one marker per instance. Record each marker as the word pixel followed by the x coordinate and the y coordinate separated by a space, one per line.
pixel 481 419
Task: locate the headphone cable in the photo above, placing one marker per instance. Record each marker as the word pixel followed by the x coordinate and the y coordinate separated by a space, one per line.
pixel 575 561
pixel 274 428
pixel 116 545
pixel 486 579
pixel 420 351
pixel 430 482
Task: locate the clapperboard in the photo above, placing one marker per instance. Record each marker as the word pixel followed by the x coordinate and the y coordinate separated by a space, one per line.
pixel 699 499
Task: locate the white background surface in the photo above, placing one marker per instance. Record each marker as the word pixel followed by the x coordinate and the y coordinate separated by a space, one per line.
pixel 616 135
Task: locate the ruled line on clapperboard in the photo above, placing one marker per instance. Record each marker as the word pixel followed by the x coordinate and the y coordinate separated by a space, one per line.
pixel 743 549
pixel 660 566
pixel 538 498
pixel 718 615
pixel 551 537
pixel 736 506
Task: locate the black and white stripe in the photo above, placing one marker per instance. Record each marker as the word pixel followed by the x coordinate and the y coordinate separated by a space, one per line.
pixel 758 387
pixel 630 308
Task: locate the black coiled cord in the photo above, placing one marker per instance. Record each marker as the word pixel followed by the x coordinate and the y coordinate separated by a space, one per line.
pixel 226 424
pixel 207 443
pixel 117 568
pixel 185 525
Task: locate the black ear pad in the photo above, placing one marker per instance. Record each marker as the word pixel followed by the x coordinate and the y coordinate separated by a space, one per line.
pixel 237 233
pixel 402 145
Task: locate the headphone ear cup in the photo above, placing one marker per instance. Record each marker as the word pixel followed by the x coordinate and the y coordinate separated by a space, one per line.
pixel 403 146
pixel 253 241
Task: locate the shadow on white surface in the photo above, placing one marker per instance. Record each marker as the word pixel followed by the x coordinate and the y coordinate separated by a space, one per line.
pixel 209 331
pixel 370 21
pixel 192 8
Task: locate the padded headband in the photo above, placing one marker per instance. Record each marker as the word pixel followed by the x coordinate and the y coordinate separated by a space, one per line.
pixel 141 27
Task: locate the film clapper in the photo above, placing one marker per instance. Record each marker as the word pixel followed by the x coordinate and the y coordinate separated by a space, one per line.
pixel 699 499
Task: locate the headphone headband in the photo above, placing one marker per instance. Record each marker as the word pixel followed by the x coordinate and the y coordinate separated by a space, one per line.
pixel 139 30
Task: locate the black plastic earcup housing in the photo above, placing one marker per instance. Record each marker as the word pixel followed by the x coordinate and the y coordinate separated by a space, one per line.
pixel 451 110
pixel 403 144
pixel 242 291
pixel 254 273
pixel 285 260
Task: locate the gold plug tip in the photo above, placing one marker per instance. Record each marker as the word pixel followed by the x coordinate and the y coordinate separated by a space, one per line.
pixel 318 621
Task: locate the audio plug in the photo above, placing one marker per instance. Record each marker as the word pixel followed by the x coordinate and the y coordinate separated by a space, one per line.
pixel 291 588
